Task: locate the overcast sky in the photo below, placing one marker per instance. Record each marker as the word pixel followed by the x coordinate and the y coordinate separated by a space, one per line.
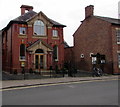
pixel 67 12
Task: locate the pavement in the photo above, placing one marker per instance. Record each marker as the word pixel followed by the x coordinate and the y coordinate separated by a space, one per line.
pixel 23 83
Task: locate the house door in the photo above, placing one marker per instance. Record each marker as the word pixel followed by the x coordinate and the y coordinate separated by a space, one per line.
pixel 39 59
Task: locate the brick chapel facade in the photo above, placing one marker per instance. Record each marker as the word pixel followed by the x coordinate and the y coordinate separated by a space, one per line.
pixel 32 40
pixel 97 36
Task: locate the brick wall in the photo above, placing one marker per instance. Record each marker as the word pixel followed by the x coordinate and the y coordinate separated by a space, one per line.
pixel 115 49
pixel 69 54
pixel 93 36
pixel 12 41
pixel 11 59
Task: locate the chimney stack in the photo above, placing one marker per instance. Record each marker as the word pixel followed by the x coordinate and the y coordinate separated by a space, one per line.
pixel 25 7
pixel 89 11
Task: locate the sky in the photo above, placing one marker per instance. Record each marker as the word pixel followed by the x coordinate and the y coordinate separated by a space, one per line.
pixel 67 12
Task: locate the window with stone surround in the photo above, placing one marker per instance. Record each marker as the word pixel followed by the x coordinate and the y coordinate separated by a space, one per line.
pixel 55 33
pixel 55 53
pixel 22 52
pixel 22 30
pixel 39 28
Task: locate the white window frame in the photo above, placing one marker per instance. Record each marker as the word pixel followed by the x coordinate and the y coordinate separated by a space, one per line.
pixel 55 33
pixel 39 28
pixel 94 60
pixel 22 30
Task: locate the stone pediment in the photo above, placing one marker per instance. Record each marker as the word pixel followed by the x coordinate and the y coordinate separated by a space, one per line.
pixel 39 44
pixel 40 16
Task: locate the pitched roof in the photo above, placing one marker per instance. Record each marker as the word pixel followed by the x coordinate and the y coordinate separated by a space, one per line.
pixel 66 45
pixel 110 20
pixel 29 15
pixel 25 16
pixel 56 23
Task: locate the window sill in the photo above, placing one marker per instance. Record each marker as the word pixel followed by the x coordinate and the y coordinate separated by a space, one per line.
pixel 55 37
pixel 56 60
pixel 39 36
pixel 22 60
pixel 118 43
pixel 22 35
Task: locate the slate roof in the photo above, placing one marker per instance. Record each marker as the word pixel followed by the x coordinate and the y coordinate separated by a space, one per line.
pixel 29 15
pixel 110 20
pixel 25 16
pixel 56 23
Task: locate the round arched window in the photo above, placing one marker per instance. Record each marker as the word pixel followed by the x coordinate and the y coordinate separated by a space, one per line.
pixel 55 53
pixel 39 27
pixel 22 51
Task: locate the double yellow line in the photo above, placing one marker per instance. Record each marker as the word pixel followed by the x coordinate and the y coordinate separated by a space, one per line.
pixel 54 84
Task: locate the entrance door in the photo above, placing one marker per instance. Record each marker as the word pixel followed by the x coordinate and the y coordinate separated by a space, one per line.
pixel 39 63
pixel 39 59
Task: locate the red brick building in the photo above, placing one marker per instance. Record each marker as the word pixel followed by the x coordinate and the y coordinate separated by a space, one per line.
pixel 32 40
pixel 101 36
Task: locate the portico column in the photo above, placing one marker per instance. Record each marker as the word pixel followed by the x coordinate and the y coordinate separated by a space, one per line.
pixel 45 60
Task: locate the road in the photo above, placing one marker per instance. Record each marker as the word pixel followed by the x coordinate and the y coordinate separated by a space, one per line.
pixel 76 93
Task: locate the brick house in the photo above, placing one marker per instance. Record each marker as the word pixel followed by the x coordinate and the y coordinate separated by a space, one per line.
pixel 97 36
pixel 32 40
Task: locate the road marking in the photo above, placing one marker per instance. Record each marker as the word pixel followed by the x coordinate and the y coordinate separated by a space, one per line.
pixel 54 84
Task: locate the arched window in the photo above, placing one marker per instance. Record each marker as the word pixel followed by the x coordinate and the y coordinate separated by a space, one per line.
pixel 39 28
pixel 22 52
pixel 55 53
